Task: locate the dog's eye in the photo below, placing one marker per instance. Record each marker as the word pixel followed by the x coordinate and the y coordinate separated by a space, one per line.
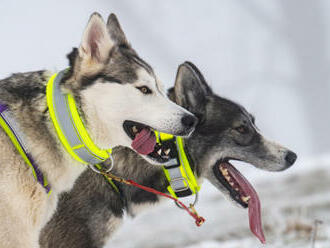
pixel 144 89
pixel 242 129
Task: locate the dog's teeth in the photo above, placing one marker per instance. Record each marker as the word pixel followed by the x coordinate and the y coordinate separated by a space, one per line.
pixel 159 152
pixel 245 198
pixel 227 178
pixel 237 189
pixel 224 171
pixel 168 151
pixel 231 183
pixel 135 130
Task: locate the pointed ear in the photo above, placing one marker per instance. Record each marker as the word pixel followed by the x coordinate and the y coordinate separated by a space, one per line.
pixel 190 88
pixel 171 94
pixel 115 31
pixel 96 43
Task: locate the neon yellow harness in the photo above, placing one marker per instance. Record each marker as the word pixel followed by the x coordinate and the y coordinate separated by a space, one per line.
pixel 181 178
pixel 74 137
pixel 70 128
pixel 13 130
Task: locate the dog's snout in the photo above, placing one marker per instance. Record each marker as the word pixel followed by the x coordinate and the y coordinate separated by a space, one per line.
pixel 189 121
pixel 290 158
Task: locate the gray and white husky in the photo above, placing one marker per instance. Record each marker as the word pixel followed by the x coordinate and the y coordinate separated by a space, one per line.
pixel 93 210
pixel 113 87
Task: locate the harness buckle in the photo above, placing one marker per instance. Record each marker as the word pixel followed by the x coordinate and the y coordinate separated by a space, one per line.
pixel 179 179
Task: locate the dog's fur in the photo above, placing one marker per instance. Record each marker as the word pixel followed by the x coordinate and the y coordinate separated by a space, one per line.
pixel 104 77
pixel 93 210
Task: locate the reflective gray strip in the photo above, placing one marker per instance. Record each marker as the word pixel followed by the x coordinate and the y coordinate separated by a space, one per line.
pixel 8 116
pixel 84 154
pixel 64 118
pixel 171 162
pixel 177 181
pixel 62 113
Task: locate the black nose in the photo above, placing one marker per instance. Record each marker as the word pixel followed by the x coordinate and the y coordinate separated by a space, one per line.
pixel 290 158
pixel 189 121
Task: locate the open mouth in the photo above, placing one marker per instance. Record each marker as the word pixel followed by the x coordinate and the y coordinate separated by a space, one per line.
pixel 242 192
pixel 144 141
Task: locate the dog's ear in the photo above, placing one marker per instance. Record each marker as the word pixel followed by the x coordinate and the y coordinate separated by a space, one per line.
pixel 191 89
pixel 171 94
pixel 115 31
pixel 96 43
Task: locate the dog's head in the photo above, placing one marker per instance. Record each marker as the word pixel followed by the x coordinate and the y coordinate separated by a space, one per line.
pixel 121 98
pixel 226 132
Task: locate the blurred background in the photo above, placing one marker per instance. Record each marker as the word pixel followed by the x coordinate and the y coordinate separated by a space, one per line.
pixel 270 56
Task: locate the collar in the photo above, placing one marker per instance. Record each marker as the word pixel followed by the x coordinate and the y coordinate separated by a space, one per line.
pixel 70 128
pixel 13 130
pixel 178 171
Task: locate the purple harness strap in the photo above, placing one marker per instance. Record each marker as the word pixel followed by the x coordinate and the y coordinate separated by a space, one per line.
pixel 3 107
pixel 38 173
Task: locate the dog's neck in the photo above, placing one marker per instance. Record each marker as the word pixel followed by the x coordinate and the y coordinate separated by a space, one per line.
pixel 101 133
pixel 153 176
pixel 32 115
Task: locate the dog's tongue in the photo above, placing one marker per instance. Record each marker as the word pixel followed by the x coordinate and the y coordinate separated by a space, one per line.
pixel 144 142
pixel 254 203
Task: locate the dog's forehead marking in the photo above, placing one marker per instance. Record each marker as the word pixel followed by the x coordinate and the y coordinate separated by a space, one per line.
pixel 144 77
pixel 143 64
pixel 246 114
pixel 250 118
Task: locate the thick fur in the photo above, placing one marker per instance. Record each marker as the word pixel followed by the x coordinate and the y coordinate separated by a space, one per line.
pixel 93 210
pixel 103 77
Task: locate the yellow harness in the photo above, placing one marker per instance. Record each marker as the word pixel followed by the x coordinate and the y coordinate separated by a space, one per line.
pixel 76 140
pixel 178 172
pixel 13 130
pixel 70 128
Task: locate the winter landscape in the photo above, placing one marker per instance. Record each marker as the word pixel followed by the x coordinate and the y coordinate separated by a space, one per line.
pixel 272 57
pixel 295 212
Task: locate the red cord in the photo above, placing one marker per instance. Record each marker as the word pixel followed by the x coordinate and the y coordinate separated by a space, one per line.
pixel 198 219
pixel 191 210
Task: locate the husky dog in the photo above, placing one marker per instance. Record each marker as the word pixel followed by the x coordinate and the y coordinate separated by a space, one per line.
pixel 93 210
pixel 113 88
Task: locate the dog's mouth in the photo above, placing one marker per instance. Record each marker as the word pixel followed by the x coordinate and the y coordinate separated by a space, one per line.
pixel 242 192
pixel 144 141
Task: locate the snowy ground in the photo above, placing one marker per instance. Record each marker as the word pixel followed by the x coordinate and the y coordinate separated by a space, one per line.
pixel 292 202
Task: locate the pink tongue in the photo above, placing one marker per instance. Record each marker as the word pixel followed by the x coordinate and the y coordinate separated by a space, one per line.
pixel 144 142
pixel 254 203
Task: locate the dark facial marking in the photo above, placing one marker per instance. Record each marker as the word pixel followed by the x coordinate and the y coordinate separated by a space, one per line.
pixel 72 56
pixel 88 81
pixel 143 64
pixel 253 119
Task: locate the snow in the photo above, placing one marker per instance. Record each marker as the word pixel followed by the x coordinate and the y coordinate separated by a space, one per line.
pixel 271 57
pixel 291 203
